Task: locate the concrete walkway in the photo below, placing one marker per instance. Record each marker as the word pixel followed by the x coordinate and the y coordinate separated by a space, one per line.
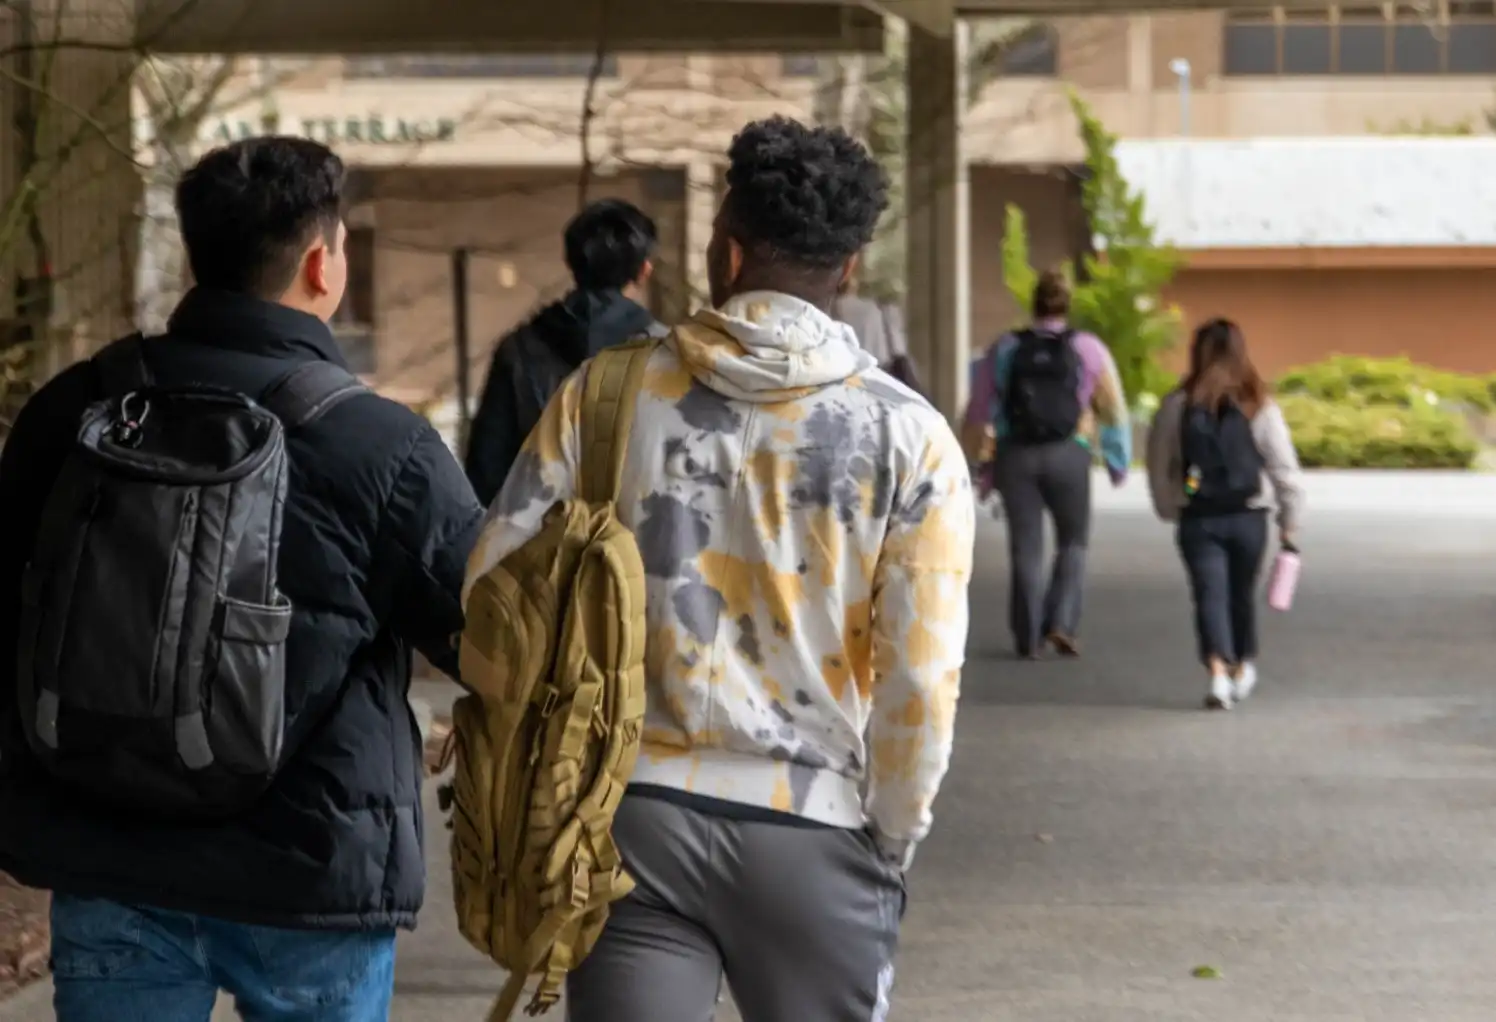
pixel 1326 847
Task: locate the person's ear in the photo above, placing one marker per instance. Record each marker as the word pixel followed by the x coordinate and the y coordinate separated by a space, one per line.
pixel 849 270
pixel 314 268
pixel 734 261
pixel 645 272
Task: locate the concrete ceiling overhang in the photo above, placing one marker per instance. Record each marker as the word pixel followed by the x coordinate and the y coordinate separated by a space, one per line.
pixel 508 26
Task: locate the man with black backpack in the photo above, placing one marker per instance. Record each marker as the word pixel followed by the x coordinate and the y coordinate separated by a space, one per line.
pixel 1055 401
pixel 217 552
pixel 610 251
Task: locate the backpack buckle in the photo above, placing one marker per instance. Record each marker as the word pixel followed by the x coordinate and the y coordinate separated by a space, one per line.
pixel 581 884
pixel 552 699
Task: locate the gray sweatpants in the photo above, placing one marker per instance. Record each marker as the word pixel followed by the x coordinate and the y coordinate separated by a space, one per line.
pixel 802 923
pixel 1032 480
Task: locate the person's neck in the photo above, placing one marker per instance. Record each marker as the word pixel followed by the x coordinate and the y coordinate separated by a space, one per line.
pixel 298 304
pixel 821 300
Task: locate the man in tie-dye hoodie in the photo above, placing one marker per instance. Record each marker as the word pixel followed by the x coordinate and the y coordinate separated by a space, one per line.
pixel 806 525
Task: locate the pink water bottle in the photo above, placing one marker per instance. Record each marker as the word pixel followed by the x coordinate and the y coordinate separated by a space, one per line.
pixel 1284 580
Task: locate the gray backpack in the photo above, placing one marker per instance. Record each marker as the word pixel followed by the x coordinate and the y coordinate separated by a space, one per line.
pixel 152 653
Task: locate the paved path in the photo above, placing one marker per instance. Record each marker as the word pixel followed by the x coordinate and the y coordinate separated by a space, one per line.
pixel 1327 847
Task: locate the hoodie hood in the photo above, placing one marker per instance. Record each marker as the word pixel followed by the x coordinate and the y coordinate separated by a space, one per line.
pixel 768 347
pixel 586 322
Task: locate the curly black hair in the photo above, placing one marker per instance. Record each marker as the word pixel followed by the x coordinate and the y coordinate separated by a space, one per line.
pixel 808 195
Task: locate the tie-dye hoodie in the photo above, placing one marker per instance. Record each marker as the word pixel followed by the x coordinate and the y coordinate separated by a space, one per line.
pixel 806 526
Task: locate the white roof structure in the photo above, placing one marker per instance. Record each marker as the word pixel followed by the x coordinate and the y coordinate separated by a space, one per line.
pixel 1317 192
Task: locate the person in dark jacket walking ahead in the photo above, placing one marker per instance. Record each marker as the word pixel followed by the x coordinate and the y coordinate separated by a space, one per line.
pixel 610 249
pixel 287 896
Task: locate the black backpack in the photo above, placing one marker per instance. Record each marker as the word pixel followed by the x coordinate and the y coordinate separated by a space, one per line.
pixel 1222 466
pixel 1042 402
pixel 152 653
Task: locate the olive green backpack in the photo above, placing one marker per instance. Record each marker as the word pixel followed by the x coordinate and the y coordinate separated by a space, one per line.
pixel 553 653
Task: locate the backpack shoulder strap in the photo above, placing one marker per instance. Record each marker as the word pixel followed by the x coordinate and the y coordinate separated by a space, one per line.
pixel 304 394
pixel 122 366
pixel 608 400
pixel 993 367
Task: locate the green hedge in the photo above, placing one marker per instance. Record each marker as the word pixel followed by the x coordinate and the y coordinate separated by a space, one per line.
pixel 1398 382
pixel 1337 434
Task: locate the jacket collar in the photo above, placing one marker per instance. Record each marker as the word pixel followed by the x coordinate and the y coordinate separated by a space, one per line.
pixel 229 319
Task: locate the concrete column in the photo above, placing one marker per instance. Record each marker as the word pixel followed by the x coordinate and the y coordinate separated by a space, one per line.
pixel 665 191
pixel 938 232
pixel 701 210
pixel 1140 53
pixel 80 170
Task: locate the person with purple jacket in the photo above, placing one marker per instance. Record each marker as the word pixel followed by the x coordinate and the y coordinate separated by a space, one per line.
pixel 1055 400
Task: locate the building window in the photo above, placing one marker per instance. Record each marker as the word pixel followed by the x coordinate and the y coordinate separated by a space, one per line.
pixel 1438 37
pixel 1034 53
pixel 1251 46
pixel 800 65
pixel 353 323
pixel 485 65
pixel 1307 45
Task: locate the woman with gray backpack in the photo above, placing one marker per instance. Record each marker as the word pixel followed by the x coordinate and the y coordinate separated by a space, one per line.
pixel 1220 459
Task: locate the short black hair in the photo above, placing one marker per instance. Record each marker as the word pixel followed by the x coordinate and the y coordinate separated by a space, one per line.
pixel 608 243
pixel 248 211
pixel 811 196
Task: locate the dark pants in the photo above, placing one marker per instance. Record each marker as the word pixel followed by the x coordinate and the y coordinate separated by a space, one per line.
pixel 1032 480
pixel 1223 555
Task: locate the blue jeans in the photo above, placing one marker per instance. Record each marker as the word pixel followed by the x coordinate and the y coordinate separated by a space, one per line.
pixel 116 963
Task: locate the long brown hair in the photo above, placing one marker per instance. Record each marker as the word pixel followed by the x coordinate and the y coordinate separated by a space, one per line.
pixel 1221 370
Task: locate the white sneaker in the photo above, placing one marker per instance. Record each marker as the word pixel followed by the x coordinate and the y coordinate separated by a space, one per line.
pixel 1245 682
pixel 1221 695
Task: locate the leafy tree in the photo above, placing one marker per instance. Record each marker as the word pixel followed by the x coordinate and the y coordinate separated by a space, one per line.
pixel 1119 293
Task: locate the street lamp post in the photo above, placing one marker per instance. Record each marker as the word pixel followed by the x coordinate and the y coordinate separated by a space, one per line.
pixel 1181 70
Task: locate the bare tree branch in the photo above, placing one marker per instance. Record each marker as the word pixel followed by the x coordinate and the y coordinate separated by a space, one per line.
pixel 589 96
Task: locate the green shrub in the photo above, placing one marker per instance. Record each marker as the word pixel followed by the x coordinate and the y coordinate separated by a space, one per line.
pixel 1336 434
pixel 1399 382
